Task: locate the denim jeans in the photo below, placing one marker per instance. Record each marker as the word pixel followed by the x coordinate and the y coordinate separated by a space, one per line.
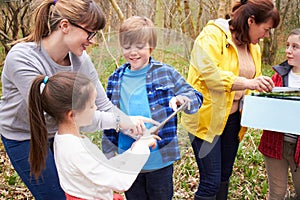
pixel 154 185
pixel 215 165
pixel 47 186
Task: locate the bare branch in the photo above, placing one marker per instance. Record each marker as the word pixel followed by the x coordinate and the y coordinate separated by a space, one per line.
pixel 117 9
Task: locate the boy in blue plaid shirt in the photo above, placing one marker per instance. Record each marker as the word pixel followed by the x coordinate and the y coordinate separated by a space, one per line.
pixel 152 89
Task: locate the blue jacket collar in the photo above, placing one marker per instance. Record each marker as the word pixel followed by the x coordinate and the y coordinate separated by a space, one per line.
pixel 283 68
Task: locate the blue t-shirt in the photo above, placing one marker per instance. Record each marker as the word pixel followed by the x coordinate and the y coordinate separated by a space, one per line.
pixel 134 101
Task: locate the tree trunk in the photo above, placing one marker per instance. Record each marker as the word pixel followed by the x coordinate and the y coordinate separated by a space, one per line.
pixel 270 45
pixel 117 9
pixel 15 21
pixel 222 8
pixel 190 25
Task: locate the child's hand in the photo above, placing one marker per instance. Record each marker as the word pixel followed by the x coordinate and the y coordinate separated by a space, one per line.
pixel 176 101
pixel 149 140
pixel 153 130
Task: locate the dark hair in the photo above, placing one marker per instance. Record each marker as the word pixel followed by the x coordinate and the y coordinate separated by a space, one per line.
pixel 260 10
pixel 138 29
pixel 63 92
pixel 49 13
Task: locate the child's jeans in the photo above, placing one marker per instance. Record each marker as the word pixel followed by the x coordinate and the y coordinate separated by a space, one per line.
pixel 277 171
pixel 154 185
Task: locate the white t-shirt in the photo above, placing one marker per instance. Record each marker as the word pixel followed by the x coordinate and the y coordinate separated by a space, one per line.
pixel 85 172
pixel 294 80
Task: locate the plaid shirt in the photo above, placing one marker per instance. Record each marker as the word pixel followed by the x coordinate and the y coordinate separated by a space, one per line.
pixel 162 83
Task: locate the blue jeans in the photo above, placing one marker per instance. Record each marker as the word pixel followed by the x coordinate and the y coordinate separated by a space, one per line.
pixel 215 160
pixel 154 185
pixel 47 186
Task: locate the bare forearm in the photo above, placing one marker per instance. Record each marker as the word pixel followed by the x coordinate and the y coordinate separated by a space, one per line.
pixel 240 83
pixel 262 84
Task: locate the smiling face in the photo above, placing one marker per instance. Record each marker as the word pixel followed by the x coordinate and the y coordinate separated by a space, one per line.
pixel 259 31
pixel 293 51
pixel 137 39
pixel 79 38
pixel 137 55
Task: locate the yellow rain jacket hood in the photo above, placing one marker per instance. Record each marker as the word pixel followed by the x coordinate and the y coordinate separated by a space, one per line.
pixel 214 66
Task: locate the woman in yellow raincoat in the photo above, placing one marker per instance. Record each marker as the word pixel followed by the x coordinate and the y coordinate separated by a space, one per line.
pixel 225 63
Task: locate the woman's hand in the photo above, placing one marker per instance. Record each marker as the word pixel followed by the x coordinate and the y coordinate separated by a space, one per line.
pixel 135 125
pixel 261 84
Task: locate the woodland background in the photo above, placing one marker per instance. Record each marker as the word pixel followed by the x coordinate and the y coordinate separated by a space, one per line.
pixel 178 23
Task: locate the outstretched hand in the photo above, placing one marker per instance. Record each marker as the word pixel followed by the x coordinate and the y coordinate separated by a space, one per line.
pixel 176 101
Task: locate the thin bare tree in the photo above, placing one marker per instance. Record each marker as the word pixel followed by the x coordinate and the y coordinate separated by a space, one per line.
pixel 270 45
pixel 15 21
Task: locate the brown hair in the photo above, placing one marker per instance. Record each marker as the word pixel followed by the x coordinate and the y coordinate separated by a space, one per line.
pixel 138 29
pixel 63 92
pixel 49 13
pixel 295 32
pixel 260 10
